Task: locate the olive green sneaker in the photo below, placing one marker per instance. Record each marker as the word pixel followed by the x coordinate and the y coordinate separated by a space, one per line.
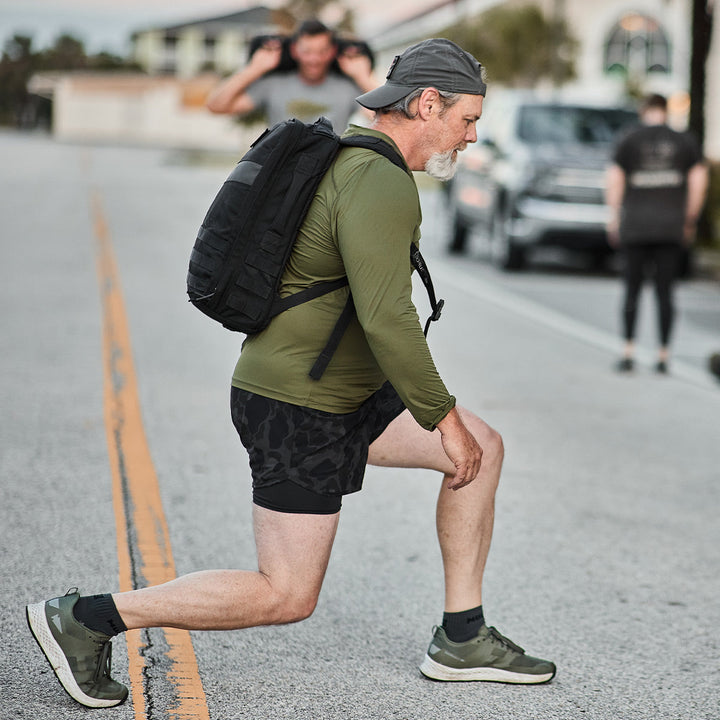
pixel 80 657
pixel 488 656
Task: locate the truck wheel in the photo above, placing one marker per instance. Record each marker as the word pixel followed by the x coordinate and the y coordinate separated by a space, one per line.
pixel 459 237
pixel 505 254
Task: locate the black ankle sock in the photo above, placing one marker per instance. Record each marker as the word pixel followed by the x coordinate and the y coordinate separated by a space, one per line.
pixel 98 612
pixel 463 626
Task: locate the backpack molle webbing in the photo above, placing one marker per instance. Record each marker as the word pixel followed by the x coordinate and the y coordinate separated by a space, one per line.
pixel 248 233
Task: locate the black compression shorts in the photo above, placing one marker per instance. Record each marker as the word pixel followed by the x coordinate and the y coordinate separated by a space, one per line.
pixel 304 460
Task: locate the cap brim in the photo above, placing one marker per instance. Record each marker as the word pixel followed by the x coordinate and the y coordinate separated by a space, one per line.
pixel 384 95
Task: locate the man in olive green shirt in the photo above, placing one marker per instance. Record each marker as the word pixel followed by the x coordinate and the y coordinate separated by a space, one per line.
pixel 360 225
pixel 380 401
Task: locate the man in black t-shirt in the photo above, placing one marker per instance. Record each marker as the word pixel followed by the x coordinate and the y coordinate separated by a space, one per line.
pixel 655 190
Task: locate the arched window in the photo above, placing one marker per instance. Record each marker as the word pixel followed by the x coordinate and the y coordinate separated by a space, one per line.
pixel 637 45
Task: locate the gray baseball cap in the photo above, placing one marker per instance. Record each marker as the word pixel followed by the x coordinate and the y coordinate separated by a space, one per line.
pixel 437 63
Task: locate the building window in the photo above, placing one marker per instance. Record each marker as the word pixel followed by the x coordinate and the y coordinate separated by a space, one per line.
pixel 636 46
pixel 168 59
pixel 209 45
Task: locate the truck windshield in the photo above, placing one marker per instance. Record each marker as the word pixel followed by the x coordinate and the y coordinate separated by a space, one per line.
pixel 576 125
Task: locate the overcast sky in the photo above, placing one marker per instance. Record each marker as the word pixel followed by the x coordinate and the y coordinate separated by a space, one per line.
pixel 107 24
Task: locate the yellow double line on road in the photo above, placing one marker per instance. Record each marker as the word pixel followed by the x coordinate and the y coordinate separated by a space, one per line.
pixel 143 540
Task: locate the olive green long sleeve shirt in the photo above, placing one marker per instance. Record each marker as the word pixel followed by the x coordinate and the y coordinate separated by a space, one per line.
pixel 360 224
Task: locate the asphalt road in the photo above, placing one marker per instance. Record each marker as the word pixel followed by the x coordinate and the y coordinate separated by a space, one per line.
pixel 606 548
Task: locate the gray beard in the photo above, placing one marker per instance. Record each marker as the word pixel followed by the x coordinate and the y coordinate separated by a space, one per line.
pixel 442 166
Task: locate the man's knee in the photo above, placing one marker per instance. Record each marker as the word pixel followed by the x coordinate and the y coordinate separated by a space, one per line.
pixel 496 444
pixel 494 453
pixel 300 609
pixel 291 606
pixel 489 439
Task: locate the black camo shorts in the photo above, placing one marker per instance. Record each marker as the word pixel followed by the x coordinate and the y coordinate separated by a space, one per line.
pixel 305 460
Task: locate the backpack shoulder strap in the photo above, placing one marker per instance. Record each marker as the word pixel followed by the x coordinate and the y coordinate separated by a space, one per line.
pixel 377 144
pixel 417 260
pixel 323 360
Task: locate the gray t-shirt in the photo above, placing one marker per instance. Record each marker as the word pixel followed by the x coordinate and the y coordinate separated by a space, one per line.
pixel 285 95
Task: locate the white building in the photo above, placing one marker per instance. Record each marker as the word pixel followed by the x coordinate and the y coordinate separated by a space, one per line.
pixel 645 41
pixel 217 44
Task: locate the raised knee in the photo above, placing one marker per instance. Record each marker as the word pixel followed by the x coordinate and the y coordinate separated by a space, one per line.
pixel 301 608
pixel 489 439
pixel 292 607
pixel 495 445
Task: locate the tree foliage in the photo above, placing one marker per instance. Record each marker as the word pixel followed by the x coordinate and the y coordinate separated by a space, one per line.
pixel 518 45
pixel 332 12
pixel 702 26
pixel 20 61
pixel 17 65
pixel 68 53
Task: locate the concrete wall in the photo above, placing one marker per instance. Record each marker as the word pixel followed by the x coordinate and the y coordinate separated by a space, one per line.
pixel 136 109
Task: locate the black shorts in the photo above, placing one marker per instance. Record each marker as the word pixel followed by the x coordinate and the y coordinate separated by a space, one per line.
pixel 304 460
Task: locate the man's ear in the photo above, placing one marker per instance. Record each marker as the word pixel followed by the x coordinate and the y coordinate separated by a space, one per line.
pixel 428 103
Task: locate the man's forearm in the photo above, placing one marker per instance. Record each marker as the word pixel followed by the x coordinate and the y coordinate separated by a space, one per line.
pixel 225 97
pixel 697 185
pixel 614 188
pixel 614 194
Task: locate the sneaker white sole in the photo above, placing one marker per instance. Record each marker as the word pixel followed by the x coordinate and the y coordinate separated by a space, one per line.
pixel 436 671
pixel 37 621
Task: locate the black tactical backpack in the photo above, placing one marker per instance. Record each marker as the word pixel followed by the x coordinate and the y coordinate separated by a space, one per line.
pixel 249 231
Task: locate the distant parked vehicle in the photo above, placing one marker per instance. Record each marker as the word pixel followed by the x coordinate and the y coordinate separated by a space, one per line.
pixel 536 178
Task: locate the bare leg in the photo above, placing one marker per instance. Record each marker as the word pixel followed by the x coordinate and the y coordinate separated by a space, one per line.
pixel 465 516
pixel 293 553
pixel 464 524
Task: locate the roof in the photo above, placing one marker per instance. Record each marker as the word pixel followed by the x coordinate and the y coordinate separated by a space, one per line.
pixel 257 17
pixel 119 83
pixel 428 21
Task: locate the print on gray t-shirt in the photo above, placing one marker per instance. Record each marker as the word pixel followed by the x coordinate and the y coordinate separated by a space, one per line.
pixel 284 95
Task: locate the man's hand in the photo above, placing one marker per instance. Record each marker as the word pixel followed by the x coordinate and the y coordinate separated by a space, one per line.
pixel 266 57
pixel 612 229
pixel 462 449
pixel 230 96
pixel 356 65
pixel 689 231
